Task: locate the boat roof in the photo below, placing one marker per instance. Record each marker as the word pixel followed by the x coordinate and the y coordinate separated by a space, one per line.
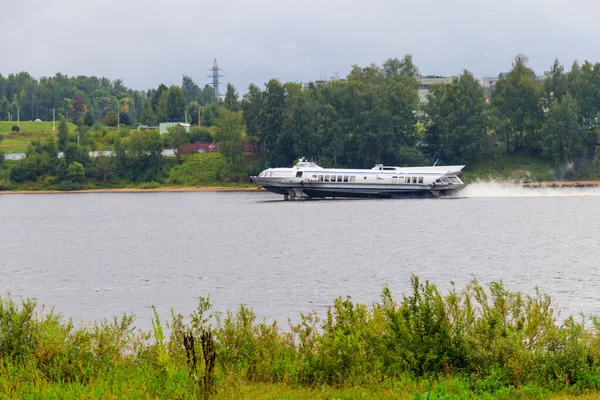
pixel 442 169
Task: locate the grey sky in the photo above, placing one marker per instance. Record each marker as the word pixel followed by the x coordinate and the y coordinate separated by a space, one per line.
pixel 147 42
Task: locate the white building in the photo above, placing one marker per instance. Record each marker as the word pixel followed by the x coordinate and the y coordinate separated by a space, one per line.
pixel 164 126
pixel 425 84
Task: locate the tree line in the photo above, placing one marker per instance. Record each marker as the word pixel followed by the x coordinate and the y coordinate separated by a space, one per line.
pixel 371 116
pixel 99 99
pixel 374 116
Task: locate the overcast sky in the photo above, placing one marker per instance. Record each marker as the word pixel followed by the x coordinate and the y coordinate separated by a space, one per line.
pixel 148 42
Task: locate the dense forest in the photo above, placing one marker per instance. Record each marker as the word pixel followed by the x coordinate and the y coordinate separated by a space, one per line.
pixel 372 115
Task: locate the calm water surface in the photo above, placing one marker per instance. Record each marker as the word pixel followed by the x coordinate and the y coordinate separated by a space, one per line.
pixel 93 256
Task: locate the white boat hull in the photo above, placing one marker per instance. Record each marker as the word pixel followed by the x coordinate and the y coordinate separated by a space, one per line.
pixel 358 190
pixel 307 179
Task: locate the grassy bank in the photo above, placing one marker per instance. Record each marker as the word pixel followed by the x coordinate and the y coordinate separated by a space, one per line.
pixel 475 342
pixel 18 142
pixel 514 167
pixel 196 171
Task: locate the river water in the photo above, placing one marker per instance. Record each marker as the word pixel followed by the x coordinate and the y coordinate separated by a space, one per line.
pixel 95 256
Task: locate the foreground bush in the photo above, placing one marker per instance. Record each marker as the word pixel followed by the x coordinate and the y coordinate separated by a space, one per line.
pixel 474 342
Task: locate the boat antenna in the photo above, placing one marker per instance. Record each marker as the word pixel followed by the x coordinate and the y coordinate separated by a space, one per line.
pixel 436 161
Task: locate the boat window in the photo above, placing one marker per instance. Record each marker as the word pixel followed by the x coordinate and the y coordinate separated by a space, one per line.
pixel 314 176
pixel 320 178
pixel 364 177
pixel 326 178
pixel 389 168
pixel 299 174
pixel 345 178
pixel 414 179
pixel 421 179
pixel 352 179
pixel 339 178
pixel 408 179
pixel 270 173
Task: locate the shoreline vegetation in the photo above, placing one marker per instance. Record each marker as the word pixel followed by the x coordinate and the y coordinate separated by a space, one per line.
pixel 478 342
pixel 166 189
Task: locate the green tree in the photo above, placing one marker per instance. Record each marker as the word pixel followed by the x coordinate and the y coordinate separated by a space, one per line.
pixel 208 96
pixel 456 127
pixel 193 112
pixel 63 134
pixel 230 137
pixel 155 99
pixel 518 98
pixel 191 91
pixel 556 85
pixel 147 117
pixel 253 107
pixel 584 85
pixel 209 115
pixel 175 104
pixel 75 153
pixel 89 118
pixel 111 119
pixel 103 164
pixel 231 98
pixel 76 172
pixel 82 133
pixel 142 157
pixel 176 137
pixel 162 109
pixel 563 138
pixel 272 125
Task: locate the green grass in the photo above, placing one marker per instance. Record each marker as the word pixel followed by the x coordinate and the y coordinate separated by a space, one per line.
pixel 31 127
pixel 201 170
pixel 18 142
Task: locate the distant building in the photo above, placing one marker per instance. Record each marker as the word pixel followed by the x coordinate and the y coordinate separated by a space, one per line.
pixel 425 84
pixel 164 126
pixel 321 82
pixel 489 83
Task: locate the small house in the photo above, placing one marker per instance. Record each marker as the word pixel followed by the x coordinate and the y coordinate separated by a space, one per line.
pixel 164 126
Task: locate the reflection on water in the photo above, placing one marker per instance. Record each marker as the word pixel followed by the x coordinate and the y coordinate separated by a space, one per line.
pixel 98 255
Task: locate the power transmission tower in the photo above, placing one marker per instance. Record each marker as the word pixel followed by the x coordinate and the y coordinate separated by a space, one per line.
pixel 215 78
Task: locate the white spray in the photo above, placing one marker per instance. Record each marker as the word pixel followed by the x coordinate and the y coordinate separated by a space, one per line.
pixel 512 189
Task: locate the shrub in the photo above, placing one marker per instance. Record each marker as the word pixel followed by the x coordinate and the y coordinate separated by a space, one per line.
pixel 200 135
pixel 15 128
pixel 18 328
pixel 76 172
pixel 5 184
pixel 68 185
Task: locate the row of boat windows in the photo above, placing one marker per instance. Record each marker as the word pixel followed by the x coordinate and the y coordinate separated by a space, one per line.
pixel 412 179
pixel 352 178
pixel 335 178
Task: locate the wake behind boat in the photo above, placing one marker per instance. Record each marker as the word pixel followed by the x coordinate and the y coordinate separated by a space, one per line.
pixel 307 179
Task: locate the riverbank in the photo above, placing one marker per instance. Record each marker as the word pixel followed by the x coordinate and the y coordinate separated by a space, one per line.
pixel 477 342
pixel 140 190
